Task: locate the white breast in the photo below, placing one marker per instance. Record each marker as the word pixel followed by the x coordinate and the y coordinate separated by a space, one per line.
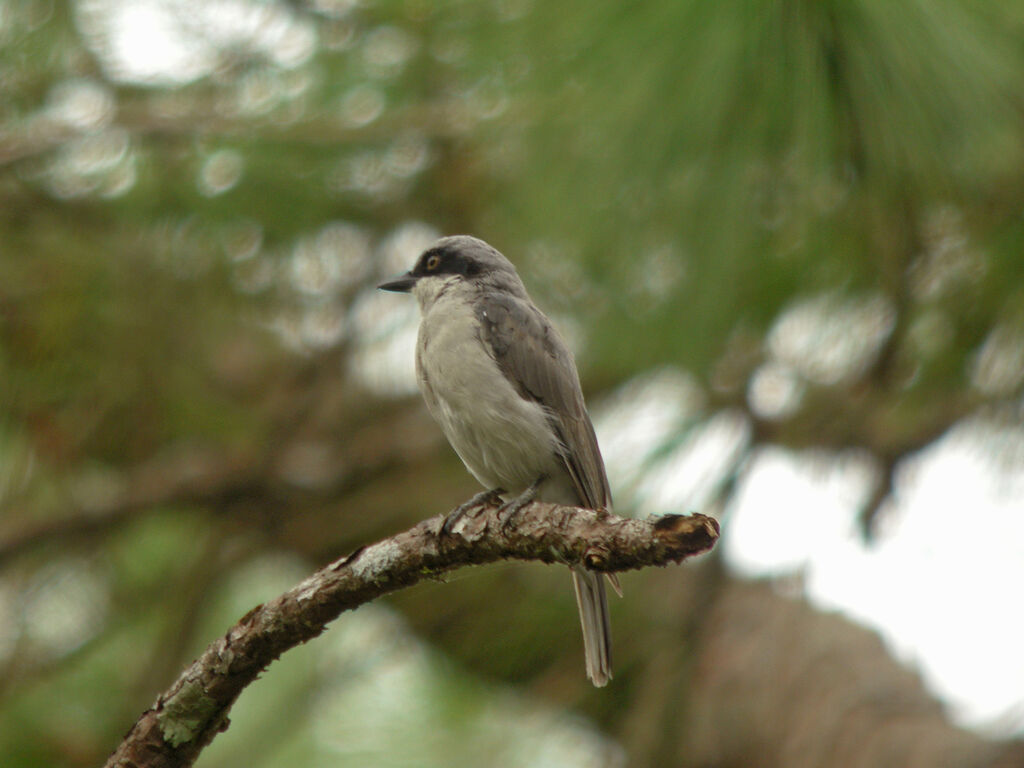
pixel 503 439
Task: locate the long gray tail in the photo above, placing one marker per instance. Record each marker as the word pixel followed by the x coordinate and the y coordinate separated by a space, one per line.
pixel 597 631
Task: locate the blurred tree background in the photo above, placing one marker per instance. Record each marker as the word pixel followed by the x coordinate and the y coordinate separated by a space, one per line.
pixel 781 228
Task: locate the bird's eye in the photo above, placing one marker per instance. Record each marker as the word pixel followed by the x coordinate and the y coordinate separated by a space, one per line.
pixel 433 262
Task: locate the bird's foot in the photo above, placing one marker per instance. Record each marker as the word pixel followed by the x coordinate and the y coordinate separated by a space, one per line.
pixel 483 499
pixel 508 511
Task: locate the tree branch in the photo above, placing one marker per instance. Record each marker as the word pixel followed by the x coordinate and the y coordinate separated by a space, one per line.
pixel 187 716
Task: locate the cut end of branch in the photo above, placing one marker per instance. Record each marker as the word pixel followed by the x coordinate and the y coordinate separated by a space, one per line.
pixel 686 535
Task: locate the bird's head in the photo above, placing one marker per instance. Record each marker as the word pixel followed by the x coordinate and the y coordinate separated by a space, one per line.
pixel 457 260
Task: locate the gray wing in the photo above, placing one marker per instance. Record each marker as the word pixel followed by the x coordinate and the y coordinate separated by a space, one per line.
pixel 533 356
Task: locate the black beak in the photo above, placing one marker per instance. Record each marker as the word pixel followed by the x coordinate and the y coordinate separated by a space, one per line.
pixel 402 284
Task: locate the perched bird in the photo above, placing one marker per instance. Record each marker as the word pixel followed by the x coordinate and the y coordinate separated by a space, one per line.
pixel 502 384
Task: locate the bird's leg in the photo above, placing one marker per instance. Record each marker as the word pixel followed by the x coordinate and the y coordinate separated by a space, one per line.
pixel 512 507
pixel 489 498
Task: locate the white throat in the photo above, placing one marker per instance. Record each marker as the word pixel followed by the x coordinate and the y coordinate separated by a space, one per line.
pixel 429 289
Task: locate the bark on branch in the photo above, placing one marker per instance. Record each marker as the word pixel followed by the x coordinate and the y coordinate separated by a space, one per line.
pixel 187 716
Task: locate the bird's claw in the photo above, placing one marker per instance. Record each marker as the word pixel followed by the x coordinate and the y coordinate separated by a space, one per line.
pixel 508 511
pixel 482 500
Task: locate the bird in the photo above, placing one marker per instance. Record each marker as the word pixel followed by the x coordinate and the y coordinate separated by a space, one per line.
pixel 503 386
